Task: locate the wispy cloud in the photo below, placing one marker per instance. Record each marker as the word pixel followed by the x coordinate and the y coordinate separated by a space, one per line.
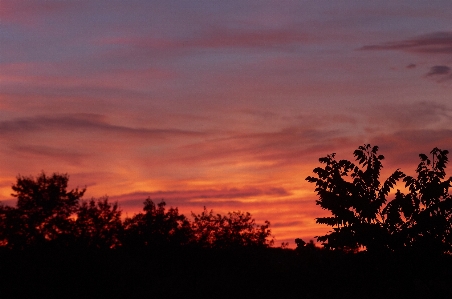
pixel 415 115
pixel 432 43
pixel 72 157
pixel 214 39
pixel 260 149
pixel 227 196
pixel 85 122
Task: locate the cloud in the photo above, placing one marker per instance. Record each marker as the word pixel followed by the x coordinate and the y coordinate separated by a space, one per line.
pixel 72 157
pixel 432 43
pixel 255 200
pixel 438 70
pixel 416 115
pixel 255 151
pixel 227 196
pixel 84 122
pixel 214 38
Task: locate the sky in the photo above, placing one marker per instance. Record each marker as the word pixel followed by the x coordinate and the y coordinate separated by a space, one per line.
pixel 223 104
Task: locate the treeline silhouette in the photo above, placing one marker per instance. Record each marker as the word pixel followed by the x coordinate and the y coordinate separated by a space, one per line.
pixel 48 214
pixel 384 243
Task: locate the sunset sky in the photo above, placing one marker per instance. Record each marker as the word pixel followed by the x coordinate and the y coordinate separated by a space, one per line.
pixel 223 104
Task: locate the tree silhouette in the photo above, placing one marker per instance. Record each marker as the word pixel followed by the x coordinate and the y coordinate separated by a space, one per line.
pixel 47 213
pixel 237 229
pixel 157 227
pixel 205 228
pixel 363 216
pixel 421 219
pixel 44 209
pixel 99 224
pixel 10 230
pixel 355 197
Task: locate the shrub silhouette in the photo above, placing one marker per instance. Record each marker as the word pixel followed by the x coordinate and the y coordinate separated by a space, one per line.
pixel 364 217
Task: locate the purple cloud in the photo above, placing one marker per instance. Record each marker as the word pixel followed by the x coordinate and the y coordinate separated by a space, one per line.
pixel 438 70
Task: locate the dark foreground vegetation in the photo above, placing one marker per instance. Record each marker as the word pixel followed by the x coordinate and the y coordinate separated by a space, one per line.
pixel 383 244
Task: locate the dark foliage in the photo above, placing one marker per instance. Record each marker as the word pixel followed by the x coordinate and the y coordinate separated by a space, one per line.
pixel 237 229
pixel 363 215
pixel 157 227
pixel 421 218
pixel 99 224
pixel 47 214
pixel 43 211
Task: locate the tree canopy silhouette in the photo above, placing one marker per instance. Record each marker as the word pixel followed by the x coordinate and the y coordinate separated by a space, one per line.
pixel 421 218
pixel 365 216
pixel 47 213
pixel 157 227
pixel 237 229
pixel 99 224
pixel 43 210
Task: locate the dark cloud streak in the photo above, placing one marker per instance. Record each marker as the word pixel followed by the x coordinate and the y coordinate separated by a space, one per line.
pixel 433 43
pixel 85 122
pixel 73 157
pixel 438 70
